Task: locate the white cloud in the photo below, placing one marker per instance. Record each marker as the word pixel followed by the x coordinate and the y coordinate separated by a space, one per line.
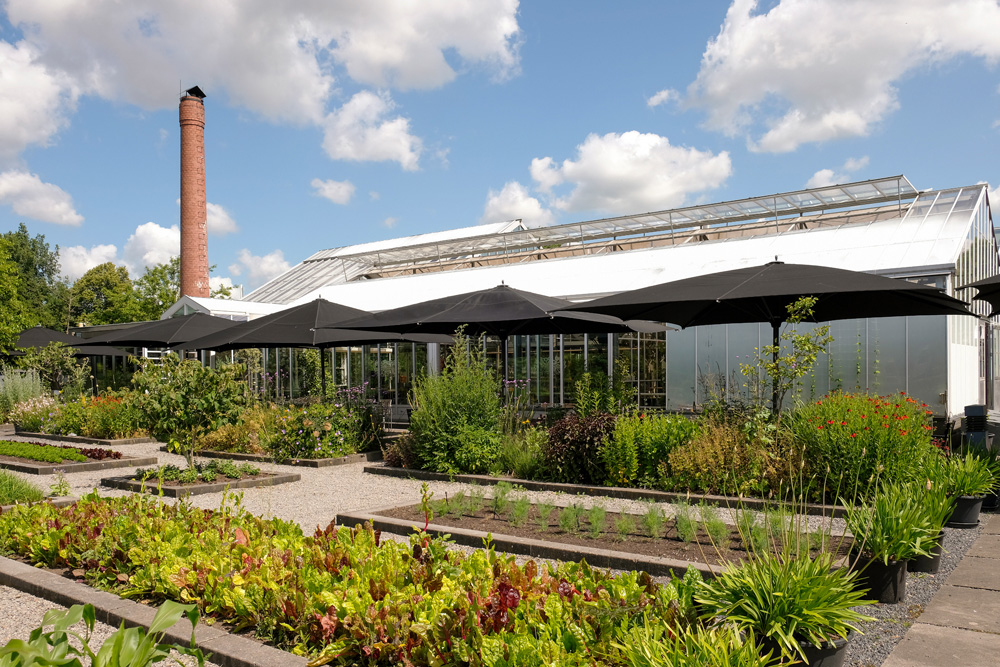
pixel 74 261
pixel 631 172
pixel 35 101
pixel 513 202
pixel 150 245
pixel 825 177
pixel 29 196
pixel 339 192
pixel 390 222
pixel 359 130
pixel 219 221
pixel 215 282
pixel 817 70
pixel 662 97
pixel 278 58
pixel 259 269
pixel 374 196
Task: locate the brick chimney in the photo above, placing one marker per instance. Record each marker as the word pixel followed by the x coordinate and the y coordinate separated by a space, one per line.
pixel 194 205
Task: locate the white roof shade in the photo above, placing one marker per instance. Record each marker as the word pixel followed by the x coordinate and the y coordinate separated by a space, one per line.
pixel 924 240
pixel 232 308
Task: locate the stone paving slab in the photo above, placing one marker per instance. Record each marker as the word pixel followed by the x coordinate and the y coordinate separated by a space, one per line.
pixel 935 646
pixel 974 572
pixel 969 608
pixel 991 523
pixel 987 546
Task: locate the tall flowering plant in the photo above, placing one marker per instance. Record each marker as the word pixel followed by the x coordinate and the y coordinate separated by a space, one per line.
pixel 851 441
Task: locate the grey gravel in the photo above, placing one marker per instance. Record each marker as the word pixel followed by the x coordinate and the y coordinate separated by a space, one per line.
pixel 323 493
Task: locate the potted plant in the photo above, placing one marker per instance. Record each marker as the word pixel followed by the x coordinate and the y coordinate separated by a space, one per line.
pixel 968 478
pixel 937 506
pixel 799 607
pixel 889 529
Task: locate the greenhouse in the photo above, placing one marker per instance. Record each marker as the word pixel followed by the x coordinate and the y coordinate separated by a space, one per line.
pixel 942 238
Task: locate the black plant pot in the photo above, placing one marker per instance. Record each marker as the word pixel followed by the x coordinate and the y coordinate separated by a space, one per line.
pixel 966 514
pixel 991 502
pixel 930 563
pixel 831 654
pixel 885 583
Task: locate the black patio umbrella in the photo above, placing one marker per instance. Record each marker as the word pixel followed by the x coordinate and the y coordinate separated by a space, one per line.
pixel 39 337
pixel 500 311
pixel 166 333
pixel 299 326
pixel 762 294
pixel 989 291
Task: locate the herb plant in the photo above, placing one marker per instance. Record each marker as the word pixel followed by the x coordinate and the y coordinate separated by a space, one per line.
pixel 653 520
pixel 544 513
pixel 519 510
pixel 596 518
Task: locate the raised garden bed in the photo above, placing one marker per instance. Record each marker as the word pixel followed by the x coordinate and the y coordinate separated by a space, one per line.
pixel 629 549
pixel 363 457
pixel 179 489
pixel 85 441
pixel 625 493
pixel 45 459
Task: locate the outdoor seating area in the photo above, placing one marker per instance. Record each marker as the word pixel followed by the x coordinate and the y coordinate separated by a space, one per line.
pixel 596 534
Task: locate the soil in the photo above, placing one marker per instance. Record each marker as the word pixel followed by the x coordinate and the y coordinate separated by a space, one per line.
pixel 636 541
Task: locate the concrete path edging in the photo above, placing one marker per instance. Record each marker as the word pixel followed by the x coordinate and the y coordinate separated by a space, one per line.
pixel 43 468
pixel 227 650
pixel 152 486
pixel 79 439
pixel 363 457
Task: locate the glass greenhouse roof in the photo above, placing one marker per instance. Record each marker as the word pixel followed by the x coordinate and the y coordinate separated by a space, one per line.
pixel 342 265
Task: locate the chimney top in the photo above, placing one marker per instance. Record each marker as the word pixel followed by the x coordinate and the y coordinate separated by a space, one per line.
pixel 195 91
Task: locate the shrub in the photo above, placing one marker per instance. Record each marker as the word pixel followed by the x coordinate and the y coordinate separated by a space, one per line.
pixel 34 415
pixel 854 440
pixel 520 454
pixel 251 435
pixel 107 416
pixel 399 452
pixel 17 386
pixel 13 490
pixel 316 431
pixel 451 408
pixel 572 453
pixel 639 443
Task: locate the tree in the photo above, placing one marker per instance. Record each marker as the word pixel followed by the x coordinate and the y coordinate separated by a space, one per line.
pixel 39 286
pixel 160 287
pixel 104 295
pixel 13 313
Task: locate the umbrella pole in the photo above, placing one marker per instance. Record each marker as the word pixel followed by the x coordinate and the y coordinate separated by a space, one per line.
pixel 322 370
pixel 774 360
pixel 503 379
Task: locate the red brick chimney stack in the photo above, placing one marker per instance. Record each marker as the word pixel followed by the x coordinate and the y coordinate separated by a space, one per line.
pixel 194 205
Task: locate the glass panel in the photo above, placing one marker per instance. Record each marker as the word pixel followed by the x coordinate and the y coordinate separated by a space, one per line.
pixel 712 362
pixel 651 371
pixel 967 199
pixel 681 380
pixel 944 203
pixel 845 365
pixel 742 341
pixel 597 353
pixel 887 354
pixel 573 364
pixel 927 360
pixel 919 208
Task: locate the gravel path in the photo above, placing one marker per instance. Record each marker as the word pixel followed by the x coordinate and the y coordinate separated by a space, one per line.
pixel 323 493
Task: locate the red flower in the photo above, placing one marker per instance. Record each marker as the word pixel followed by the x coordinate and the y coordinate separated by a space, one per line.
pixel 854 435
pixel 820 427
pixel 829 421
pixel 843 423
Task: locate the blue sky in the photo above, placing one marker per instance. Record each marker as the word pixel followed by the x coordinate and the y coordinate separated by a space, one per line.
pixel 333 123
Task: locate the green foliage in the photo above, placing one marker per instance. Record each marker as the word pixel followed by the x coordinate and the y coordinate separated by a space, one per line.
pixel 892 525
pixel 596 518
pixel 501 497
pixel 624 526
pixel 126 647
pixel 544 514
pixel 569 518
pixel 17 386
pixel 454 409
pixel 653 520
pixel 104 295
pixel 60 488
pixel 519 510
pixel 685 522
pixel 108 416
pixel 520 454
pixel 158 288
pixel 639 443
pixel 785 600
pixel 342 595
pixel 183 399
pixel 252 434
pixel 14 315
pixel 199 472
pixel 14 489
pixel 38 452
pixel 572 452
pixel 852 441
pixel 967 474
pixel 650 644
pixel 33 414
pixel 40 291
pixel 716 528
pixel 595 393
pixel 57 367
pixel 753 534
pixel 784 372
pixel 326 430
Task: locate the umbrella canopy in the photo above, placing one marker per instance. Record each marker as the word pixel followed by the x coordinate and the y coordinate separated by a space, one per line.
pixel 165 333
pixel 762 294
pixel 39 336
pixel 499 311
pixel 989 291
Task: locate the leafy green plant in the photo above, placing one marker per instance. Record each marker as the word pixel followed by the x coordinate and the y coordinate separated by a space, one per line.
pixel 126 647
pixel 39 452
pixel 596 518
pixel 501 498
pixel 544 514
pixel 785 600
pixel 685 523
pixel 476 499
pixel 17 386
pixel 458 409
pixel 572 450
pixel 716 528
pixel 13 490
pixel 519 510
pixel 520 454
pixel 968 474
pixel 60 487
pixel 456 504
pixel 650 644
pixel 891 526
pixel 653 520
pixel 624 526
pixel 753 534
pixel 58 368
pixel 569 518
pixel 639 443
